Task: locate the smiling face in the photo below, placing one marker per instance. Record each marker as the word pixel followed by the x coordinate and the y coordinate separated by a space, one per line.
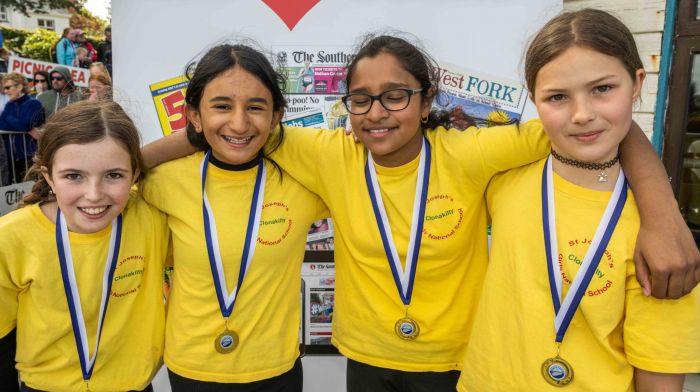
pixel 91 183
pixel 584 99
pixel 393 137
pixel 236 115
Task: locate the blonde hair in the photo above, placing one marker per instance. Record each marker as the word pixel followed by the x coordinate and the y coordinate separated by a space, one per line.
pixel 17 79
pixel 103 70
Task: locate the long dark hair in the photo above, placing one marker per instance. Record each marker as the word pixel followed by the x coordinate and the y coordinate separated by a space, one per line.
pixel 220 59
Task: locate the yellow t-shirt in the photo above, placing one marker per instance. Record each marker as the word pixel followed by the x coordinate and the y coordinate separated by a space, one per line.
pixel 615 328
pixel 453 254
pixel 267 310
pixel 33 300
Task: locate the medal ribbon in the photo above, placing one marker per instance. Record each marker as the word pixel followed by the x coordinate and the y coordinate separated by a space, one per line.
pixel 226 299
pixel 565 310
pixel 403 277
pixel 70 285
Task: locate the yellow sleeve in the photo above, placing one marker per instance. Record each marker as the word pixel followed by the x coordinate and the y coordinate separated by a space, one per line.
pixel 303 151
pixel 661 335
pixel 509 146
pixel 9 290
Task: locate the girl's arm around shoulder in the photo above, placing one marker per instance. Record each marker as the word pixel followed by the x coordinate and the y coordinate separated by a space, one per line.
pixel 503 147
pixel 166 149
pixel 657 382
pixel 666 256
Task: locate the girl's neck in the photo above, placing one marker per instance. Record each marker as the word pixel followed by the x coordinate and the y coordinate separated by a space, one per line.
pixel 587 178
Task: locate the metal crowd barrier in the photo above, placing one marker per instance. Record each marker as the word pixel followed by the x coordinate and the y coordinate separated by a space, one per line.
pixel 7 157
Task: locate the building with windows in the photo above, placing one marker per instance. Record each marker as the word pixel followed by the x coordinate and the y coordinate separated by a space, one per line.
pixel 55 20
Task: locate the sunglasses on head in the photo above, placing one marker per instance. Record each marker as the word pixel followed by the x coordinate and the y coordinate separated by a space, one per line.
pixel 57 78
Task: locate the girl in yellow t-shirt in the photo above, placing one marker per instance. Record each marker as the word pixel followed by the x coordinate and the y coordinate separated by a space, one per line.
pixel 239 227
pixel 81 265
pixel 409 216
pixel 560 305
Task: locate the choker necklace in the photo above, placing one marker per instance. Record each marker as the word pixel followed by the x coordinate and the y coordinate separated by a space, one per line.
pixel 602 176
pixel 231 167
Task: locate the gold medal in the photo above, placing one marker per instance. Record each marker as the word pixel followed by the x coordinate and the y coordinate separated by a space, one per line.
pixel 407 328
pixel 226 342
pixel 557 371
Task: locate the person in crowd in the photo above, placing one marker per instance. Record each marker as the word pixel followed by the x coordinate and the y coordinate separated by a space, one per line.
pixel 81 265
pixel 22 114
pixel 100 88
pixel 63 91
pixel 53 52
pixel 104 49
pixel 65 49
pixel 40 83
pixel 99 68
pixel 417 226
pixel 561 272
pixel 81 41
pixel 4 60
pixel 82 57
pixel 234 103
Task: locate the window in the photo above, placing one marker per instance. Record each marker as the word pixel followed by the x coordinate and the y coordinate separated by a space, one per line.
pixel 47 24
pixel 3 14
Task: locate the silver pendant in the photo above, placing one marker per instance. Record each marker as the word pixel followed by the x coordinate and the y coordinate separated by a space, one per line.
pixel 603 177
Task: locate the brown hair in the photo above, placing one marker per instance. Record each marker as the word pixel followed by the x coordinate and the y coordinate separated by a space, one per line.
pixel 17 79
pixel 589 28
pixel 83 122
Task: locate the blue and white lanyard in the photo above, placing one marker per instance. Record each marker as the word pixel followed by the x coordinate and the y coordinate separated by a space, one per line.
pixel 403 277
pixel 226 299
pixel 70 285
pixel 564 311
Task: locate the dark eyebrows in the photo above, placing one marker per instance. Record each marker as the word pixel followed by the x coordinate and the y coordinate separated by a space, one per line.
pixel 223 98
pixel 385 87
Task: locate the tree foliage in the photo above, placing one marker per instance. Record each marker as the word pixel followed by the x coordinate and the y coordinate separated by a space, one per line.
pixel 14 38
pixel 38 44
pixel 83 19
pixel 40 6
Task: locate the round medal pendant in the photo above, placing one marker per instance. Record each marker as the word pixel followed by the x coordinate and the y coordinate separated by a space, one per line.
pixel 557 371
pixel 226 342
pixel 407 328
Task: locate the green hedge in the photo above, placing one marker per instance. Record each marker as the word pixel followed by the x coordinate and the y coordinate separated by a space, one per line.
pixel 35 44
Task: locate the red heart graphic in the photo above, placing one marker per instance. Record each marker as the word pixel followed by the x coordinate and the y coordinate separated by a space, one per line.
pixel 291 12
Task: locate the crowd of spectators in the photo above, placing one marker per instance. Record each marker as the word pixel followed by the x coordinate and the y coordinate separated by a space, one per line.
pixel 26 104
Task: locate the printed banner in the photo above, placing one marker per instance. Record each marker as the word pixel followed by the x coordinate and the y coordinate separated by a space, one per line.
pixel 28 67
pixel 169 98
pixel 319 283
pixel 11 196
pixel 476 98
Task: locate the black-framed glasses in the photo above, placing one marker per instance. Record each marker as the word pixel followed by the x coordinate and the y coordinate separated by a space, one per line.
pixel 57 78
pixel 392 100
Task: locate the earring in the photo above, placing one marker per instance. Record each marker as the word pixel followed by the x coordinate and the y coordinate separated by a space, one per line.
pixel 51 192
pixel 424 120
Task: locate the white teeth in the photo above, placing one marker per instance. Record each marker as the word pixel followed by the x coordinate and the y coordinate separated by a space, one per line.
pixel 93 210
pixel 379 130
pixel 234 140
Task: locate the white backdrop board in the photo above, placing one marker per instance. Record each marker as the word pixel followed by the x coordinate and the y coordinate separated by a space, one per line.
pixel 155 39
